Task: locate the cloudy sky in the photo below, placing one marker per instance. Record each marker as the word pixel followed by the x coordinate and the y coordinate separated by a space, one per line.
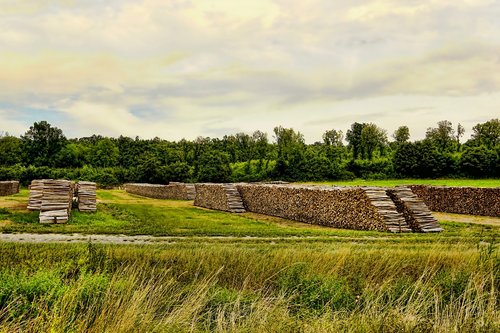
pixel 182 68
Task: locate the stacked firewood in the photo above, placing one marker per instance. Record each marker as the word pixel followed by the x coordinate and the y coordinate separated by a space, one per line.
pixel 86 192
pixel 9 187
pixel 36 194
pixel 460 200
pixel 56 203
pixel 341 207
pixel 393 218
pixel 225 197
pixel 416 213
pixel 175 191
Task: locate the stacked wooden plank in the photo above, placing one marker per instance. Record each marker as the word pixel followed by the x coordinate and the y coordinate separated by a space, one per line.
pixel 57 199
pixel 36 194
pixel 87 199
pixel 460 200
pixel 225 197
pixel 9 187
pixel 175 191
pixel 416 213
pixel 394 220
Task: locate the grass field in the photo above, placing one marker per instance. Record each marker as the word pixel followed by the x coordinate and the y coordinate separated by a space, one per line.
pixel 287 277
pixel 396 182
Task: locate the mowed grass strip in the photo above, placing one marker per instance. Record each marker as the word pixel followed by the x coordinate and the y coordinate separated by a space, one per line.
pixel 192 287
pixel 122 213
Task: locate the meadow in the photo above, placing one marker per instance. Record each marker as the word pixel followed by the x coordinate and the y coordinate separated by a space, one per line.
pixel 243 273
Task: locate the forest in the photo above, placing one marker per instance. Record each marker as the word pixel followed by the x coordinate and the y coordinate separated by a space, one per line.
pixel 364 151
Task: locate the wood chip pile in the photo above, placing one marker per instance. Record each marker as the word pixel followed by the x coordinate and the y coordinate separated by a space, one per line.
pixel 340 207
pixel 9 187
pixel 460 200
pixel 57 199
pixel 414 210
pixel 86 192
pixel 225 197
pixel 176 191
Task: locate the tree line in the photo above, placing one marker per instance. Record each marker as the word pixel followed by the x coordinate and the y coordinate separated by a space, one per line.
pixel 364 151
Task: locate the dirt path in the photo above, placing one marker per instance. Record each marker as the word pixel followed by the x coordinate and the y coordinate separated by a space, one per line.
pixel 467 218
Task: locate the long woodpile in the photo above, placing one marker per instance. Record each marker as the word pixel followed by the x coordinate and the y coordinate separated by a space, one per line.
pixel 9 187
pixel 225 197
pixel 341 207
pixel 460 200
pixel 56 201
pixel 86 192
pixel 176 191
pixel 414 210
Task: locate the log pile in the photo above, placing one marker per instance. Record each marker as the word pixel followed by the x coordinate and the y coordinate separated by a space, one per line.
pixel 36 194
pixel 9 187
pixel 86 192
pixel 225 197
pixel 340 207
pixel 175 191
pixel 393 218
pixel 56 203
pixel 460 200
pixel 414 210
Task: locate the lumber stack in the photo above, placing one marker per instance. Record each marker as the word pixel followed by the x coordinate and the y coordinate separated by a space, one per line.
pixel 175 191
pixel 87 201
pixel 225 197
pixel 340 207
pixel 460 200
pixel 393 218
pixel 416 213
pixel 56 203
pixel 9 187
pixel 36 194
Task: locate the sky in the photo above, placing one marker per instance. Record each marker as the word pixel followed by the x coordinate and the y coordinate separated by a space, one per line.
pixel 182 69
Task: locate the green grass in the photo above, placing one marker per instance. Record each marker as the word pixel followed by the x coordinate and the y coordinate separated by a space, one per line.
pixel 122 213
pixel 251 287
pixel 396 182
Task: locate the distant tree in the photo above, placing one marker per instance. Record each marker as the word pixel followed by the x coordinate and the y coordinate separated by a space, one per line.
pixel 104 154
pixel 478 162
pixel 73 155
pixel 291 149
pixel 353 136
pixel 214 167
pixel 487 133
pixel 333 138
pixel 443 136
pixel 373 137
pixel 10 150
pixel 460 133
pixel 402 134
pixel 41 143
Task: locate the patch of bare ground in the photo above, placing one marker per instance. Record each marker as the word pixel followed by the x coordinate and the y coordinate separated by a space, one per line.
pixel 488 220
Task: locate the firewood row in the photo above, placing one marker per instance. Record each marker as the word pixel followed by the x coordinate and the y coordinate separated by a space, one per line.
pixel 87 199
pixel 414 210
pixel 9 187
pixel 340 207
pixel 460 200
pixel 174 190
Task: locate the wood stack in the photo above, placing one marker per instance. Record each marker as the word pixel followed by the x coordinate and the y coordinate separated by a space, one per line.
pixel 87 200
pixel 234 201
pixel 393 219
pixel 416 213
pixel 9 187
pixel 191 191
pixel 172 191
pixel 36 194
pixel 56 201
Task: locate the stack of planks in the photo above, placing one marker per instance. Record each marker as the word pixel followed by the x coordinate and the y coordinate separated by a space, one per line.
pixel 393 219
pixel 416 213
pixel 87 196
pixel 57 199
pixel 234 201
pixel 36 194
pixel 191 191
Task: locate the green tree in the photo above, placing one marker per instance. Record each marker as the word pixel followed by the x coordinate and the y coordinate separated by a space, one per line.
pixel 10 150
pixel 402 134
pixel 443 136
pixel 214 167
pixel 478 162
pixel 372 138
pixel 103 154
pixel 353 136
pixel 487 133
pixel 41 143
